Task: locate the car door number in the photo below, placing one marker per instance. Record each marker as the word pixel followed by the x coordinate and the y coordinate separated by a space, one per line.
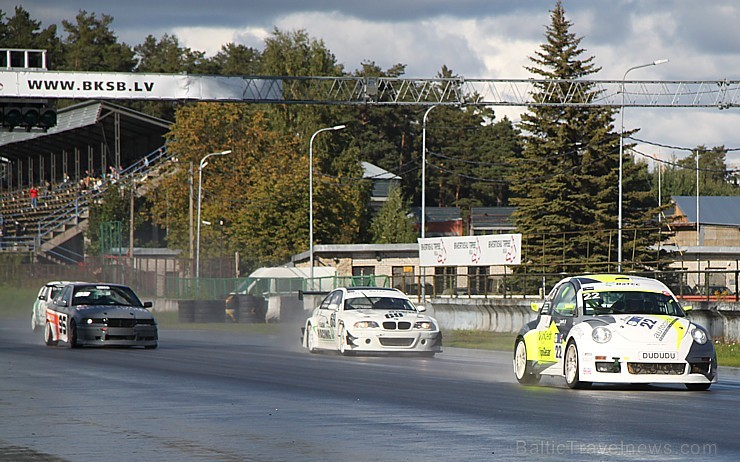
pixel 63 324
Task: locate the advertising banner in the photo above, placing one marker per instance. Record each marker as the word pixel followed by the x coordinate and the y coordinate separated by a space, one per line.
pixel 115 85
pixel 488 250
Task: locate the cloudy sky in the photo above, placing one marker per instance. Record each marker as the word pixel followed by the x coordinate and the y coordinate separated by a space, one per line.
pixel 477 39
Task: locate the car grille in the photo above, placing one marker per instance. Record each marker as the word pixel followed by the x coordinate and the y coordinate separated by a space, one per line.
pixel 656 368
pixel 393 325
pixel 398 342
pixel 123 322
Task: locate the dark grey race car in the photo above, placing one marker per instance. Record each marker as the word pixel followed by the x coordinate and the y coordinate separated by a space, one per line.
pixel 88 314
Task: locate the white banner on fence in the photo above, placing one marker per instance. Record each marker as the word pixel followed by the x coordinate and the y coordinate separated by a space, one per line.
pixel 488 250
pixel 118 85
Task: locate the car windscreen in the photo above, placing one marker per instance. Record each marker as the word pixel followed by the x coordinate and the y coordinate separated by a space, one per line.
pixel 629 302
pixel 378 303
pixel 105 295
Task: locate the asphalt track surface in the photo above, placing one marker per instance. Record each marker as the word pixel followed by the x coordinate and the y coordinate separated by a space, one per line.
pixel 214 396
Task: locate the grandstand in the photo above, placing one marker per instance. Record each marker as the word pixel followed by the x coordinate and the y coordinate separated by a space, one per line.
pixel 93 145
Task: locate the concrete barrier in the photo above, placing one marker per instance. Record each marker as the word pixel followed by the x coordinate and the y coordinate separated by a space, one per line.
pixel 721 319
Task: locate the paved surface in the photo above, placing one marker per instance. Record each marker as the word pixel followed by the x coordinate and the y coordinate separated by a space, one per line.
pixel 206 396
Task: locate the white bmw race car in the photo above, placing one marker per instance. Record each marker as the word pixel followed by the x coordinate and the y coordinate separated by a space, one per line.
pixel 614 328
pixel 371 319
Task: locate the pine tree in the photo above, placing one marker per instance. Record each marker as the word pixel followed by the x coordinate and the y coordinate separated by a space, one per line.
pixel 392 225
pixel 566 181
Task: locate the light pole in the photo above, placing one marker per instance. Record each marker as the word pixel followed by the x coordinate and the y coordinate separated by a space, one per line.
pixel 310 195
pixel 698 235
pixel 423 223
pixel 200 188
pixel 621 157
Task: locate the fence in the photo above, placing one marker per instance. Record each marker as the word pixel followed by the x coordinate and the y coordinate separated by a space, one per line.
pixel 158 280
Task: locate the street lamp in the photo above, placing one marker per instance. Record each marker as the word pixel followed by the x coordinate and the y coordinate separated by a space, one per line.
pixel 424 169
pixel 423 223
pixel 200 188
pixel 621 157
pixel 310 194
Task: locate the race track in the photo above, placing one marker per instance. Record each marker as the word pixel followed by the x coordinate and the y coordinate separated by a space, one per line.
pixel 214 396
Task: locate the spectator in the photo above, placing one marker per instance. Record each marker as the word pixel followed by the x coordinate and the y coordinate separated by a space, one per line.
pixel 34 193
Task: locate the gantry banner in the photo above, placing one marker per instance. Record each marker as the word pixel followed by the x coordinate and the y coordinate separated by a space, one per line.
pixel 488 250
pixel 115 85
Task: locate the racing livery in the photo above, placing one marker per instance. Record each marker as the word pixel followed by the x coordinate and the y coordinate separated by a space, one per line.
pixel 371 319
pixel 614 328
pixel 88 314
pixel 46 294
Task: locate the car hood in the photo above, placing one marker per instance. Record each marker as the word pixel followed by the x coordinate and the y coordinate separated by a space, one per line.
pixel 90 311
pixel 382 315
pixel 647 328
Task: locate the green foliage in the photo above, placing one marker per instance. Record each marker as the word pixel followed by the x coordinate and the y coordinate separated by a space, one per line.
pixel 679 178
pixel 20 31
pixel 237 60
pixel 113 206
pixel 391 225
pixel 566 179
pixel 260 189
pixel 91 45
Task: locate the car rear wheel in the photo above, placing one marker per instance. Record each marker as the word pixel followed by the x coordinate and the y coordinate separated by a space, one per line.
pixel 522 369
pixel 698 386
pixel 571 366
pixel 72 334
pixel 49 335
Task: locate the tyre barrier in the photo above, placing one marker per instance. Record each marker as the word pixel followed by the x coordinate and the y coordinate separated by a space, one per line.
pixel 209 311
pixel 252 309
pixel 186 310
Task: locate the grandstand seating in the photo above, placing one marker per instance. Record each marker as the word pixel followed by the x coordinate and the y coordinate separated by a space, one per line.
pixel 65 205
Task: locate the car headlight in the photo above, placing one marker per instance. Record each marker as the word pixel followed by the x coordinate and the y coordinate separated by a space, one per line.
pixel 601 334
pixel 699 335
pixel 424 325
pixel 366 324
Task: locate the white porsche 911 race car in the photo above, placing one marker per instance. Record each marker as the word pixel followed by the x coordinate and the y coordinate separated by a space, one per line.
pixel 371 319
pixel 614 328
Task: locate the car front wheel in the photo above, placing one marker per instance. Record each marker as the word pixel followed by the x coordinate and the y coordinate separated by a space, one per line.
pixel 310 340
pixel 572 375
pixel 342 341
pixel 49 335
pixel 72 334
pixel 522 369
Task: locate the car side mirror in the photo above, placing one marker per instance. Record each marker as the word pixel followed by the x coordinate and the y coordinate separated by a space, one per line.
pixel 687 308
pixel 535 306
pixel 42 297
pixel 148 304
pixel 421 308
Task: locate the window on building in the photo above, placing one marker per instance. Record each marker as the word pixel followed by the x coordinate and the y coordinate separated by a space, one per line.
pixel 402 277
pixel 478 281
pixel 445 279
pixel 363 275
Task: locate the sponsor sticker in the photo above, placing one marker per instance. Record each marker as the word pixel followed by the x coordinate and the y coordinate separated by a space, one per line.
pixel 658 355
